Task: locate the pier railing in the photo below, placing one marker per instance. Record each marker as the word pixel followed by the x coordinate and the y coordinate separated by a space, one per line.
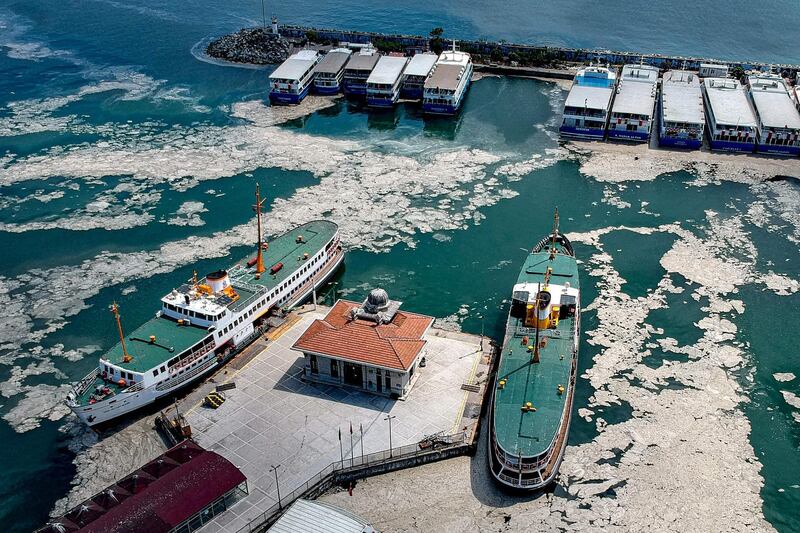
pixel 359 467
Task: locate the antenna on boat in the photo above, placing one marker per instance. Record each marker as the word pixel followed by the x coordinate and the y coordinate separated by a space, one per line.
pixel 536 315
pixel 259 244
pixel 126 357
pixel 555 236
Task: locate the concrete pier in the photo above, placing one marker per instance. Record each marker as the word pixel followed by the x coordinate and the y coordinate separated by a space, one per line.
pixel 273 418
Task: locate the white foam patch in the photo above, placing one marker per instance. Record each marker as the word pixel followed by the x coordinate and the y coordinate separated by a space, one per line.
pixel 791 398
pixel 616 162
pixel 783 377
pixel 188 214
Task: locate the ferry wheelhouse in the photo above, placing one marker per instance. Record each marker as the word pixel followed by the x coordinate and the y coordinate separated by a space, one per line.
pixel 532 402
pixel 202 323
pixel 358 70
pixel 415 74
pixel 778 118
pixel 681 110
pixel 383 84
pixel 447 84
pixel 329 72
pixel 291 81
pixel 730 119
pixel 634 104
pixel 586 108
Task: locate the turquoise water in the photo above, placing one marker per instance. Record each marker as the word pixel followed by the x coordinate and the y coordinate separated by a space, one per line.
pixel 118 147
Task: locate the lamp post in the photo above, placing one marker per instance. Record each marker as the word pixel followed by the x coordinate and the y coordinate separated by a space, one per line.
pixel 389 418
pixel 274 468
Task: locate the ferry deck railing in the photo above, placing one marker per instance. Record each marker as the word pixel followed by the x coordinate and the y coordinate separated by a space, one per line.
pixel 354 467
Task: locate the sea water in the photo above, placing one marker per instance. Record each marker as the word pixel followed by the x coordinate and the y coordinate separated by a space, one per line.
pixel 127 163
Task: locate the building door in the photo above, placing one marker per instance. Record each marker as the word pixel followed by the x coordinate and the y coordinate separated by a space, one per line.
pixel 378 383
pixel 388 382
pixel 334 368
pixel 353 375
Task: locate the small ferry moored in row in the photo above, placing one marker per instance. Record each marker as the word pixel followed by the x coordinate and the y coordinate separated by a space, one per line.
pixel 682 121
pixel 203 322
pixel 329 73
pixel 358 70
pixel 447 84
pixel 415 74
pixel 730 118
pixel 291 81
pixel 383 84
pixel 778 119
pixel 532 403
pixel 587 106
pixel 634 104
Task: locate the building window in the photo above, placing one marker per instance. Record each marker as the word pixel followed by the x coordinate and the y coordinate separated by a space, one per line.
pixel 314 366
pixel 334 368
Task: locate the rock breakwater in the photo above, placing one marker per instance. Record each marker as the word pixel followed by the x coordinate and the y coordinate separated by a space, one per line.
pixel 257 46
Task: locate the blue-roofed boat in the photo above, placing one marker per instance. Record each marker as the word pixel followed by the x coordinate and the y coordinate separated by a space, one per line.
pixel 587 106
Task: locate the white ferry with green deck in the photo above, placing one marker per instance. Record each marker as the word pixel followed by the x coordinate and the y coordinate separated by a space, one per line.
pixel 204 321
pixel 532 402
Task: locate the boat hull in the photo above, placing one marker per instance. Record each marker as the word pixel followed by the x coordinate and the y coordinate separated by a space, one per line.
pixel 288 98
pixel 631 136
pixel 355 89
pixel 675 142
pixel 729 146
pixel 589 134
pixel 385 103
pixel 327 90
pixel 412 94
pixel 778 150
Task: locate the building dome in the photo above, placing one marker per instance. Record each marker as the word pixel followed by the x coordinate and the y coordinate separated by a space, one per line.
pixel 378 300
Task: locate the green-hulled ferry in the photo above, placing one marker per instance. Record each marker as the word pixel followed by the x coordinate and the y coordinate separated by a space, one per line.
pixel 532 402
pixel 202 323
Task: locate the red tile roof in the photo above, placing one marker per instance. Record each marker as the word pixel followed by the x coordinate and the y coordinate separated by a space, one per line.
pixel 157 497
pixel 392 345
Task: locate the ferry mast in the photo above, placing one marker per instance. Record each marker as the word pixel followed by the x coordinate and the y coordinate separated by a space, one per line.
pixel 259 244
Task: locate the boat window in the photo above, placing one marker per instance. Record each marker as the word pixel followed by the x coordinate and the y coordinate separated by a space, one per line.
pixel 163 368
pixel 155 372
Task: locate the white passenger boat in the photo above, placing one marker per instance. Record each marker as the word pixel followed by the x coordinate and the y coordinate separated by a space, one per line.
pixel 634 104
pixel 415 74
pixel 682 120
pixel 586 109
pixel 731 121
pixel 447 84
pixel 291 81
pixel 778 118
pixel 383 84
pixel 329 73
